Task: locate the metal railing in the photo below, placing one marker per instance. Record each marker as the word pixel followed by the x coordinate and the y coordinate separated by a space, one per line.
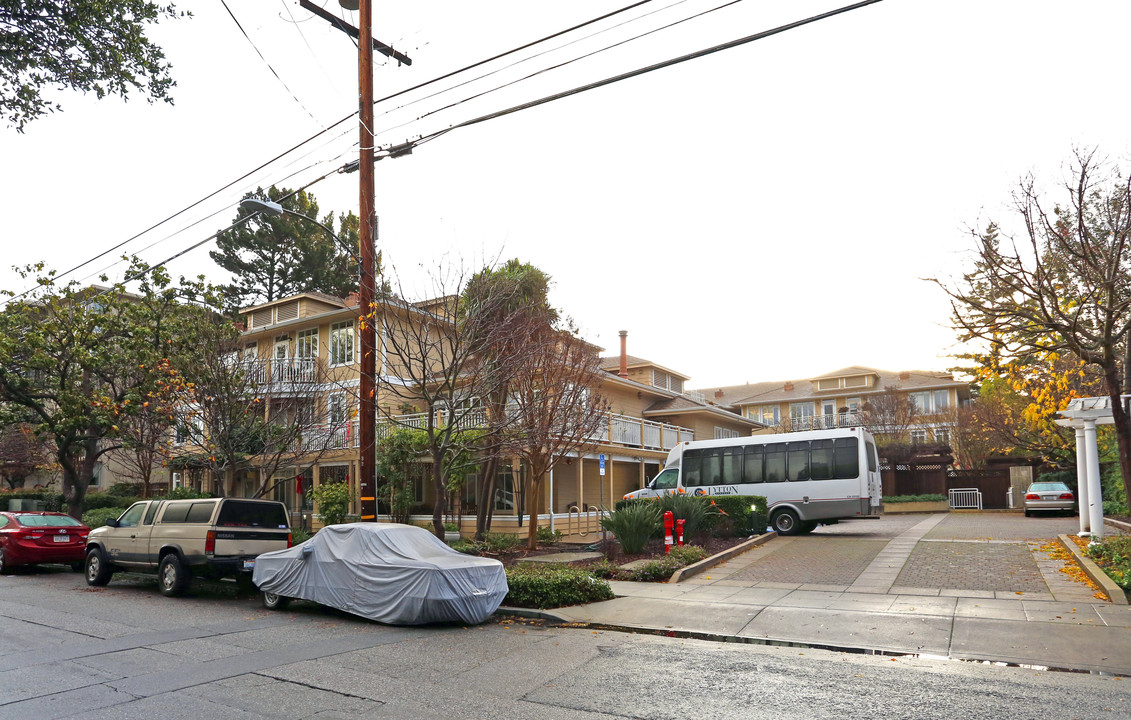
pixel 965 499
pixel 280 371
pixel 614 429
pixel 819 422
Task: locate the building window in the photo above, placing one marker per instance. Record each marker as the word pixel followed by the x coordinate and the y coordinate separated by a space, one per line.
pixel 927 401
pixel 722 433
pixel 337 409
pixel 942 400
pixel 798 411
pixel 942 436
pixel 918 437
pixel 306 346
pixel 341 343
pixel 768 415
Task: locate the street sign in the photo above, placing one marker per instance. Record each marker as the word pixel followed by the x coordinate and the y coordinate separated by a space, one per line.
pixel 602 464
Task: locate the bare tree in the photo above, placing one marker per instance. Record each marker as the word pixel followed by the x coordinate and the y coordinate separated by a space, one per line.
pixel 21 454
pixel 1065 284
pixel 436 362
pixel 888 415
pixel 255 414
pixel 556 405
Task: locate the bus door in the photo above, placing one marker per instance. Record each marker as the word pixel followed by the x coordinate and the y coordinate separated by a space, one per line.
pixel 875 484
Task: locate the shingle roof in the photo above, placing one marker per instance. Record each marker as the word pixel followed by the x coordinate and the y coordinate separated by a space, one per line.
pixel 769 392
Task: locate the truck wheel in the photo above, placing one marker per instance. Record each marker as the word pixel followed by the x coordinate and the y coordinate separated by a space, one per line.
pixel 271 601
pixel 98 571
pixel 172 576
pixel 785 522
pixel 806 527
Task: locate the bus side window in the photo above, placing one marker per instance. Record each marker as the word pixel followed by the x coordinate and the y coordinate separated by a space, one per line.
pixel 691 468
pixel 752 465
pixel 846 463
pixel 821 459
pixel 712 466
pixel 775 462
pixel 873 462
pixel 798 461
pixel 732 466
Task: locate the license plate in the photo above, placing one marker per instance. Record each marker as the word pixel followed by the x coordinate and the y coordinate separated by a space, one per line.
pixel 248 564
pixel 62 538
pixel 1048 497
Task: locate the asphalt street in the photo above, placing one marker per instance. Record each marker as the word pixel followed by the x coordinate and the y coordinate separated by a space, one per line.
pixel 127 652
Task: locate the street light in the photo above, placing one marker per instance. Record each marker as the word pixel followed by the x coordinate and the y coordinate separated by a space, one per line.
pixel 274 209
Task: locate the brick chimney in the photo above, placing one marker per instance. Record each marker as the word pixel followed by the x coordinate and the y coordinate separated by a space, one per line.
pixel 719 394
pixel 623 354
pixel 905 375
pixel 353 299
pixel 789 386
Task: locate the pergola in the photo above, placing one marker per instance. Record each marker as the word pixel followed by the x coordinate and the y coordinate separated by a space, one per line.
pixel 1083 414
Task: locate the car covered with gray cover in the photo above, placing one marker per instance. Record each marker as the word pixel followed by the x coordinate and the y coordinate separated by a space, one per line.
pixel 391 573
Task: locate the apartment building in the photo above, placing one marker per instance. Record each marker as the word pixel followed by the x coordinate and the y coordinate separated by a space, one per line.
pixel 838 399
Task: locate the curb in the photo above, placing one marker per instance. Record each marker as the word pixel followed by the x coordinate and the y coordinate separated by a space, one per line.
pixel 1118 525
pixel 1098 576
pixel 708 563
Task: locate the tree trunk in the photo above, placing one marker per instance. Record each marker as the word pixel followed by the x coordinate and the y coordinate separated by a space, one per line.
pixel 441 490
pixel 485 491
pixel 1122 424
pixel 532 509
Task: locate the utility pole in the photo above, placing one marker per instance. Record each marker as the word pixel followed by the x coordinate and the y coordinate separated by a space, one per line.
pixel 367 236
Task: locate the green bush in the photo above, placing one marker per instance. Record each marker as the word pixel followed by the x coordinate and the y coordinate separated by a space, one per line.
pixel 98 517
pixel 185 493
pixel 333 501
pixel 697 513
pixel 467 547
pixel 654 570
pixel 546 536
pixel 688 554
pixel 929 497
pixel 1113 489
pixel 633 525
pixel 500 542
pixel 605 569
pixel 299 536
pixel 725 515
pixel 1114 509
pixel 53 502
pixel 98 500
pixel 550 585
pixel 124 490
pixel 1114 556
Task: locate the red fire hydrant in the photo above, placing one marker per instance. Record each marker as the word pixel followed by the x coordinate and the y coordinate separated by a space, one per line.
pixel 679 530
pixel 668 531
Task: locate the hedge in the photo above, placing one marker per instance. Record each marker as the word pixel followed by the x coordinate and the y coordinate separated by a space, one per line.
pixel 929 497
pixel 732 516
pixel 551 585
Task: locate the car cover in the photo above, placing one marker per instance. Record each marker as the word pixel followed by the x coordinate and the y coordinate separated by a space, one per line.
pixel 392 573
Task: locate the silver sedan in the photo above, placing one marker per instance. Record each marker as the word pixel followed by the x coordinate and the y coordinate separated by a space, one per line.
pixel 1049 497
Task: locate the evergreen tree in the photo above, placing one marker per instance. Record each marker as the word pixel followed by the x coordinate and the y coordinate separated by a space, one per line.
pixel 275 256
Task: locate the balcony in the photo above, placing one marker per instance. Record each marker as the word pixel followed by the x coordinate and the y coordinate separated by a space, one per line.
pixel 615 429
pixel 281 374
pixel 819 422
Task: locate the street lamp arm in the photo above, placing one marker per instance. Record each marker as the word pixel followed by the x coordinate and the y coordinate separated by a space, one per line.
pixel 274 209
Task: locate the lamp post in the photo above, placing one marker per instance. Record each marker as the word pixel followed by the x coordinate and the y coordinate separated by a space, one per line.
pixel 274 209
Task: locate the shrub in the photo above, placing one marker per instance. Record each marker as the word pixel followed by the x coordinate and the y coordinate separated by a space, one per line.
pixel 929 497
pixel 97 500
pixel 1114 556
pixel 606 569
pixel 1114 509
pixel 53 502
pixel 550 585
pixel 98 517
pixel 467 547
pixel 697 513
pixel 688 554
pixel 124 490
pixel 656 570
pixel 738 515
pixel 633 525
pixel 1113 489
pixel 499 542
pixel 185 493
pixel 451 527
pixel 333 501
pixel 546 536
pixel 299 535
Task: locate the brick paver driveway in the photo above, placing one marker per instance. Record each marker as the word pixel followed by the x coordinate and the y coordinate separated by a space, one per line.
pixel 1002 526
pixel 972 566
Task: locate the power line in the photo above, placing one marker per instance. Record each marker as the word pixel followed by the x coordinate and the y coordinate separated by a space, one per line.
pixel 334 125
pixel 260 54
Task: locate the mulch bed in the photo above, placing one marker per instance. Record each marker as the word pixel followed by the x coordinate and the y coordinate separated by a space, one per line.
pixel 612 550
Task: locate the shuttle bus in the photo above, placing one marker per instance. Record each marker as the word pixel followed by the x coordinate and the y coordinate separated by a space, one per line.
pixel 807 478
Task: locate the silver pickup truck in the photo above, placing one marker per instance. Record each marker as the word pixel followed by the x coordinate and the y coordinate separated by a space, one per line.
pixel 179 539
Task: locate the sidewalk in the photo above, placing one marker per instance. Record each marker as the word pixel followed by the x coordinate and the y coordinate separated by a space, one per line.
pixel 1039 617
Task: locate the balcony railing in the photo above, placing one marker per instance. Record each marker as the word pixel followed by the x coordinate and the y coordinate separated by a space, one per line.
pixel 614 430
pixel 280 372
pixel 819 422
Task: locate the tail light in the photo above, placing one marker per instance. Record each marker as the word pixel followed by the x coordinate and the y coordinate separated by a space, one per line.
pixel 290 540
pixel 210 543
pixel 1066 496
pixel 1032 496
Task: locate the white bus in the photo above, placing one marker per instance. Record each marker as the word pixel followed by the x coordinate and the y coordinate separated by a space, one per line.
pixel 807 478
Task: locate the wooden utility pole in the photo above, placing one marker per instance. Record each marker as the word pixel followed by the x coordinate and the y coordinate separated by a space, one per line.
pixel 367 433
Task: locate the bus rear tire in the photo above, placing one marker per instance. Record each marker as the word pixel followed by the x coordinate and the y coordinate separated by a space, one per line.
pixel 807 526
pixel 785 522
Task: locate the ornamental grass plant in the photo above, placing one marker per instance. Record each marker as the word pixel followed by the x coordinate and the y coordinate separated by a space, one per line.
pixel 633 525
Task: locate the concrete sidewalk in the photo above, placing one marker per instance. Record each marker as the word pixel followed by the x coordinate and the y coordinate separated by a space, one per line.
pixel 1057 623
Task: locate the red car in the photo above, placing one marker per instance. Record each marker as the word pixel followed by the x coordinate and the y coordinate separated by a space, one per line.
pixel 29 538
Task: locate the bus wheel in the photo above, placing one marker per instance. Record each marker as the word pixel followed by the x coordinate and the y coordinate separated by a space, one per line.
pixel 785 522
pixel 806 527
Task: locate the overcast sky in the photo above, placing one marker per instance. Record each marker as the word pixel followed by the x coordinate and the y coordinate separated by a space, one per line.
pixel 765 213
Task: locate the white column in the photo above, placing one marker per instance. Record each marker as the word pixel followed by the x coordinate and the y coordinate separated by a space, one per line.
pixel 1095 494
pixel 1082 481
